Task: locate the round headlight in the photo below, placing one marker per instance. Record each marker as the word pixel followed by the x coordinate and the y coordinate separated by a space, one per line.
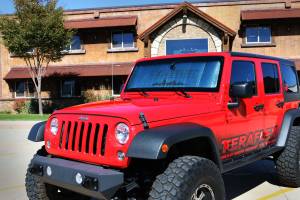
pixel 122 133
pixel 54 126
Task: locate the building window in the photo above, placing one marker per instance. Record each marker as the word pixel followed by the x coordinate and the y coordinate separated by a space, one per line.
pixel 75 44
pixel 186 46
pixel 260 34
pixel 122 40
pixel 70 88
pixel 271 79
pixel 24 89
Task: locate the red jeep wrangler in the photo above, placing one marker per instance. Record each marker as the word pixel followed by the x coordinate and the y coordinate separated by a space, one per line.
pixel 181 122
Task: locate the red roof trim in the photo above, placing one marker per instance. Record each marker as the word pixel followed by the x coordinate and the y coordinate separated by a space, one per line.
pixel 101 22
pixel 74 71
pixel 292 13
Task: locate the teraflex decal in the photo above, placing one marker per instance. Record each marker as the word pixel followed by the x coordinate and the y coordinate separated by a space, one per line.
pixel 247 141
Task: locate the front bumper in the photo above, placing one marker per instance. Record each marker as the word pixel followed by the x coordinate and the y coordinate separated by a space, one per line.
pixel 97 182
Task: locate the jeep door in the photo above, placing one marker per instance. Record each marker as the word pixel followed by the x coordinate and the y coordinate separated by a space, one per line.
pixel 273 100
pixel 245 122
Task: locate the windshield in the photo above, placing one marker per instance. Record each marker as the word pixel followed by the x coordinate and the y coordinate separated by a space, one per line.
pixel 190 74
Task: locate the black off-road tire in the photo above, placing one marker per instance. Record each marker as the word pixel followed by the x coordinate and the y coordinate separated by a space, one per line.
pixel 185 176
pixel 37 190
pixel 288 162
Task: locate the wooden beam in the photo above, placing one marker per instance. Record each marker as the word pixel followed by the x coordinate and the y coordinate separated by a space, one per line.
pixel 147 48
pixel 226 42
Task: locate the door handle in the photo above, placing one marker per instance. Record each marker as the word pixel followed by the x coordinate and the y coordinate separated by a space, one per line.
pixel 280 104
pixel 259 107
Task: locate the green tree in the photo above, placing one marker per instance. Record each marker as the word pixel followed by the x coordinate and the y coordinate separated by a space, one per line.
pixel 36 33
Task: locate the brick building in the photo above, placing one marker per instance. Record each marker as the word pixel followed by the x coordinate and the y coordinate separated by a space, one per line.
pixel 109 40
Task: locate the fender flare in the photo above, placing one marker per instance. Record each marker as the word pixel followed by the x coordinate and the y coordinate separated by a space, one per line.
pixel 36 133
pixel 287 123
pixel 147 144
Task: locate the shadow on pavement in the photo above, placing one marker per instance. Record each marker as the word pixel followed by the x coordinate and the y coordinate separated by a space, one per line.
pixel 242 180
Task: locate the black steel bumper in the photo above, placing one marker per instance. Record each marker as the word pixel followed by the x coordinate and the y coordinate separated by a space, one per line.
pixel 97 182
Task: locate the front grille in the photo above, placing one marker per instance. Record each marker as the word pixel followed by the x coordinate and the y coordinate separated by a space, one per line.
pixel 84 137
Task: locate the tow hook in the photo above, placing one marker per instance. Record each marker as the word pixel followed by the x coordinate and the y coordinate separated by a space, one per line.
pixel 37 170
pixel 90 183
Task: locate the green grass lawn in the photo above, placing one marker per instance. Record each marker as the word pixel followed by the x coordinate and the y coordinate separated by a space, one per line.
pixel 23 117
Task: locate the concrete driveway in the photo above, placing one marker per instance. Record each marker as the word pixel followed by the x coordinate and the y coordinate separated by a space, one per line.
pixel 256 181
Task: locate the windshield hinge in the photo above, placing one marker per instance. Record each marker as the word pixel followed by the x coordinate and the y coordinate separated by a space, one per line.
pixel 144 120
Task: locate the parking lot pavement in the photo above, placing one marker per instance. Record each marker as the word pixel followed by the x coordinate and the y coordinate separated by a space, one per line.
pixel 254 182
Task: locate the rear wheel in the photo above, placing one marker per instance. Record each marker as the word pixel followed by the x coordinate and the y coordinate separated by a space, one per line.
pixel 189 178
pixel 38 190
pixel 288 162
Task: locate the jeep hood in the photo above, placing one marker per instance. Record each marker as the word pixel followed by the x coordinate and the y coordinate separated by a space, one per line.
pixel 130 110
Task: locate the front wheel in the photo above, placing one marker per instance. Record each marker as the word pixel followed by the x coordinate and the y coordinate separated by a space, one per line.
pixel 189 178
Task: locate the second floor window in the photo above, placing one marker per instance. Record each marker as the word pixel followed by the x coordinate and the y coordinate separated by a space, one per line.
pixel 122 40
pixel 75 44
pixel 259 34
pixel 181 46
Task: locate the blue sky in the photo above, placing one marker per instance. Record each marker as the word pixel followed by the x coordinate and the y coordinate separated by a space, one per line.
pixel 6 6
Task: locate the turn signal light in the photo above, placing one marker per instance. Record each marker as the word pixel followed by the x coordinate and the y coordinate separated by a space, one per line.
pixel 165 148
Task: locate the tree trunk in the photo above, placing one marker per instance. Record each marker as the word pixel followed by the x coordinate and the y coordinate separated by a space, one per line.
pixel 39 93
pixel 40 103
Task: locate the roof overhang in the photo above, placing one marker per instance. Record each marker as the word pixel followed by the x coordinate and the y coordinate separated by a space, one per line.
pixel 271 14
pixel 101 22
pixel 115 69
pixel 191 8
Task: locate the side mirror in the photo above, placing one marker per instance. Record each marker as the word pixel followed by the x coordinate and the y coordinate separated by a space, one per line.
pixel 241 90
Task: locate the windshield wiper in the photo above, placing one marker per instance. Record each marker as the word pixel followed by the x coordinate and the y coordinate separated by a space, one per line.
pixel 184 93
pixel 142 92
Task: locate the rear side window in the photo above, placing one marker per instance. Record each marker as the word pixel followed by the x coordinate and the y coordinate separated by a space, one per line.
pixel 243 72
pixel 271 78
pixel 289 79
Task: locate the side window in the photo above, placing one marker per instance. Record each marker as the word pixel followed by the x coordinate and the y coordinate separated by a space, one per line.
pixel 243 72
pixel 289 79
pixel 24 89
pixel 122 40
pixel 70 88
pixel 271 79
pixel 259 34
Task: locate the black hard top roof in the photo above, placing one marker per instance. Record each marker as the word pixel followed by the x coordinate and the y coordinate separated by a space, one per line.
pixel 251 55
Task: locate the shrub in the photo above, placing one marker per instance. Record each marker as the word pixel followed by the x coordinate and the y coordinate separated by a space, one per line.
pixel 94 95
pixel 6 112
pixel 90 96
pixel 20 106
pixel 25 106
